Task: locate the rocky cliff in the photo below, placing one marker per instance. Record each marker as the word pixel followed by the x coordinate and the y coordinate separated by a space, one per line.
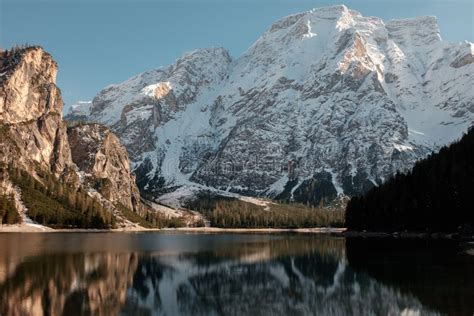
pixel 325 103
pixel 35 139
pixel 104 162
pixel 30 112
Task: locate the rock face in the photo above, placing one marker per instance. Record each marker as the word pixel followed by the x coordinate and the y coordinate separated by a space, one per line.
pixel 325 97
pixel 100 155
pixel 28 86
pixel 30 113
pixel 33 134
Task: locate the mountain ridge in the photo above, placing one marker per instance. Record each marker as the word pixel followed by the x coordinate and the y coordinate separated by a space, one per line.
pixel 324 96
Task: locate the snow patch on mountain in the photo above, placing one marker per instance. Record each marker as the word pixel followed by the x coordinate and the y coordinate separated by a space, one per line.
pixel 326 102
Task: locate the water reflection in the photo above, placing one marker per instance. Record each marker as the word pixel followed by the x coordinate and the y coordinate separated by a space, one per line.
pixel 166 274
pixel 75 284
pixel 438 273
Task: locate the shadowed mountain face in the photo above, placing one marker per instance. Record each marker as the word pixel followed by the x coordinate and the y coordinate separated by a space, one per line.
pixel 160 274
pixel 325 102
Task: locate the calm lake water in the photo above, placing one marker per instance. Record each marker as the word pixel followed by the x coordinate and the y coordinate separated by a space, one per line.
pixel 227 274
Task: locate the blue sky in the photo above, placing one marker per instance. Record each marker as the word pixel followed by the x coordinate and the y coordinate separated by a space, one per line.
pixel 99 42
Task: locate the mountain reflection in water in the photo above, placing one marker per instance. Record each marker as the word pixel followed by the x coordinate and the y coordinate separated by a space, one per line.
pixel 187 274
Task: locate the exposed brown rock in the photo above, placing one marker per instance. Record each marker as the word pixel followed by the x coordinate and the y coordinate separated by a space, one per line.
pixel 99 153
pixel 34 136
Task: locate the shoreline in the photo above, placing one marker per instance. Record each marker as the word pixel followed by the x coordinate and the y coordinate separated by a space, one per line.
pixel 218 230
pixel 328 231
pixel 206 230
pixel 409 235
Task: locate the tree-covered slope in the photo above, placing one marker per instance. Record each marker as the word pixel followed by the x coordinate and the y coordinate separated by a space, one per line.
pixel 437 195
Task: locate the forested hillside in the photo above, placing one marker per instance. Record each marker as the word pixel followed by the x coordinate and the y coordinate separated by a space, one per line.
pixel 58 205
pixel 229 212
pixel 437 195
pixel 8 211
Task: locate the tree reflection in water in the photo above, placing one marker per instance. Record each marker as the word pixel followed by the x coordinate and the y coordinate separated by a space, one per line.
pixel 288 275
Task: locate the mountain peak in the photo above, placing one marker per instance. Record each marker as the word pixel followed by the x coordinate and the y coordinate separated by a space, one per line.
pixel 316 86
pixel 28 79
pixel 327 13
pixel 333 11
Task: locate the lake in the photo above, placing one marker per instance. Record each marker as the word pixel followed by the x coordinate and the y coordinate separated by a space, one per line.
pixel 231 274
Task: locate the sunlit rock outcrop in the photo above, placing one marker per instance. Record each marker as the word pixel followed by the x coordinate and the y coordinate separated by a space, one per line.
pixel 34 137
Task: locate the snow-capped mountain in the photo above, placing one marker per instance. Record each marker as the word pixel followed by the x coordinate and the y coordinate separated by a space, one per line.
pixel 325 102
pixel 81 109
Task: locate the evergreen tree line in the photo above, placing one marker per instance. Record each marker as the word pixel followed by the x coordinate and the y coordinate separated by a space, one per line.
pixel 435 196
pixel 56 204
pixel 228 212
pixel 19 47
pixel 158 220
pixel 150 219
pixel 10 57
pixel 8 212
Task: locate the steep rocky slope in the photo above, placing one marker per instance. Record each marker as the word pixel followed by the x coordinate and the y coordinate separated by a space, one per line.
pixel 324 103
pixel 104 161
pixel 34 138
pixel 30 112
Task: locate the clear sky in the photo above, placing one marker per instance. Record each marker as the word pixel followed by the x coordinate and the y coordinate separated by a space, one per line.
pixel 99 42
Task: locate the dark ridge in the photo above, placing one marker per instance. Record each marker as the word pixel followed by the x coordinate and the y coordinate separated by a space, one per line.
pixel 435 196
